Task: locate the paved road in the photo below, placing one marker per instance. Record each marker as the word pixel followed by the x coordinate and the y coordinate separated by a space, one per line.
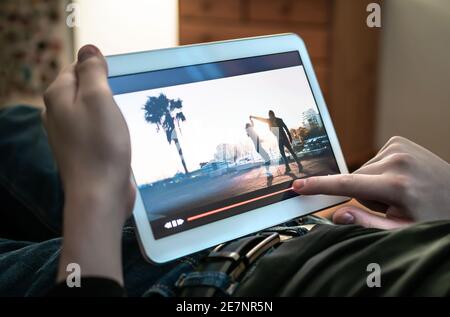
pixel 200 192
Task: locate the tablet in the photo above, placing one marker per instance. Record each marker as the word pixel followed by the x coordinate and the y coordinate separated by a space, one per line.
pixel 219 132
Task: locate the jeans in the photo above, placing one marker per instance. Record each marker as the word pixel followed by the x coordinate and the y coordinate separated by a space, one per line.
pixel 31 204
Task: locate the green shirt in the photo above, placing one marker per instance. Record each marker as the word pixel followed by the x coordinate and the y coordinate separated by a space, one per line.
pixel 333 261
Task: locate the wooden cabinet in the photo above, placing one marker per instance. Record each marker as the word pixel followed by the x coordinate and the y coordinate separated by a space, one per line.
pixel 342 48
pixel 289 11
pixel 211 9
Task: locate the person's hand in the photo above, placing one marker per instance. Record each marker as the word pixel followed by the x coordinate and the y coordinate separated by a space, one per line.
pixel 87 132
pixel 404 181
pixel 91 145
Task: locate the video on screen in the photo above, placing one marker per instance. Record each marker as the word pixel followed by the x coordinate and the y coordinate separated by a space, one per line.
pixel 208 150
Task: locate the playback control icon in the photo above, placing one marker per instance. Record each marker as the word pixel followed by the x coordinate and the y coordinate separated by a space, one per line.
pixel 173 223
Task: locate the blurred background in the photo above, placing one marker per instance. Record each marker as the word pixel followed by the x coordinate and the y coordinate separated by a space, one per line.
pixel 377 82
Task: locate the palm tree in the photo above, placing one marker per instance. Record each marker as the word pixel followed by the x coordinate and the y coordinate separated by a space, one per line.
pixel 164 112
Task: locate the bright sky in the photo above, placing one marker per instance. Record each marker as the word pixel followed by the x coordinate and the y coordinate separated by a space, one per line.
pixel 216 112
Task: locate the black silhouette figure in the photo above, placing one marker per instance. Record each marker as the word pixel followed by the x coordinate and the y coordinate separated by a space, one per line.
pixel 284 137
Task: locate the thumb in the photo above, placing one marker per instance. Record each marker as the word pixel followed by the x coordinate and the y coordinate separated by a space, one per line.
pixel 354 215
pixel 91 69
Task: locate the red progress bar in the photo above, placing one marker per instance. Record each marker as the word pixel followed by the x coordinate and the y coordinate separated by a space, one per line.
pixel 215 211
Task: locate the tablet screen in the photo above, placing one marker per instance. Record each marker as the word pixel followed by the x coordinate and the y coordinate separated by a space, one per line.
pixel 215 140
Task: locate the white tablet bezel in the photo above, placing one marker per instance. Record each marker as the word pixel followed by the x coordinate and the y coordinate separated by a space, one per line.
pixel 203 237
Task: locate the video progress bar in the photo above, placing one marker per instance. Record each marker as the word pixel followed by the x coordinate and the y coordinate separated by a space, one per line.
pixel 215 211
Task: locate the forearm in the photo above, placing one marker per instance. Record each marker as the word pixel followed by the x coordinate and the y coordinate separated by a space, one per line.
pixel 93 155
pixel 259 119
pixel 92 237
